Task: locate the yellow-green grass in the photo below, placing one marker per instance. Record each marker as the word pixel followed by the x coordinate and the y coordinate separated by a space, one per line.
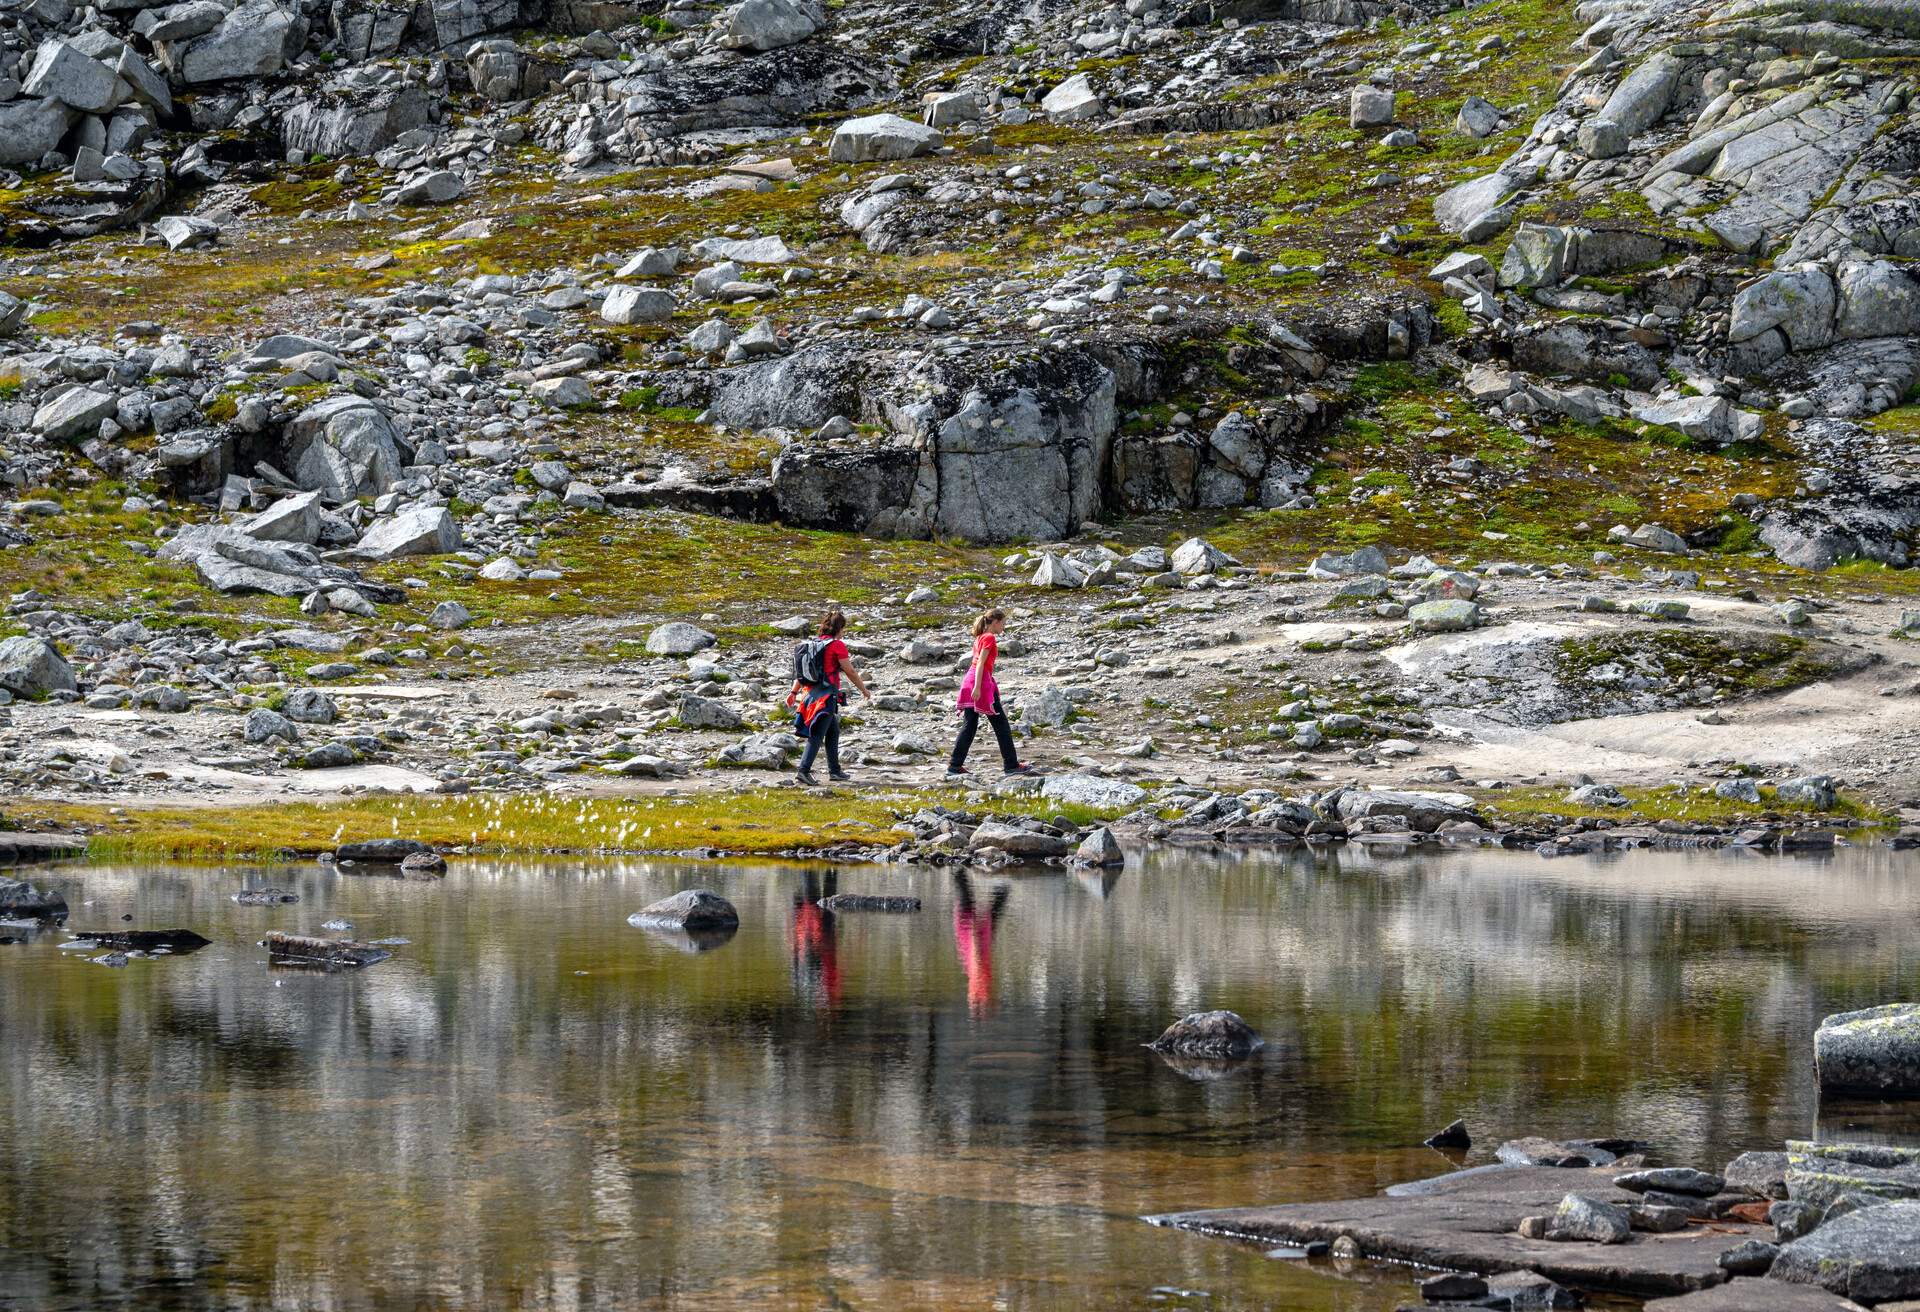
pixel 750 822
pixel 1699 805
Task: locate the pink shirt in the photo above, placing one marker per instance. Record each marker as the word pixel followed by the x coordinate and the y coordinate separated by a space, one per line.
pixel 978 691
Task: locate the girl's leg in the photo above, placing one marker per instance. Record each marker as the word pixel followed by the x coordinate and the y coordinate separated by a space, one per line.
pixel 1003 733
pixel 969 725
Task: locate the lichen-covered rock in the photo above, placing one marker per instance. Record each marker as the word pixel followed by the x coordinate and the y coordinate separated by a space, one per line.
pixel 1870 1256
pixel 1875 1051
pixel 34 667
pixel 1582 1219
pixel 1209 1034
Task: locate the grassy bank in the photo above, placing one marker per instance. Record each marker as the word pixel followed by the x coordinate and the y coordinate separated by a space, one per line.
pixel 1694 805
pixel 755 822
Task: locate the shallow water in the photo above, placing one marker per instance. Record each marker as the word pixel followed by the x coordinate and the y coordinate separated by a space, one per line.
pixel 535 1105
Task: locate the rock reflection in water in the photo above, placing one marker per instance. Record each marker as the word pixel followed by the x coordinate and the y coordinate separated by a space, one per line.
pixel 533 1105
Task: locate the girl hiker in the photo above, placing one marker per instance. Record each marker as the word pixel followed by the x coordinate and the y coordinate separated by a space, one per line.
pixel 980 695
pixel 816 696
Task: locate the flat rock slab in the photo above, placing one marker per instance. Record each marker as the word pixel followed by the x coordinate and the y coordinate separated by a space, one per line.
pixel 15 848
pixel 1755 1296
pixel 1466 1222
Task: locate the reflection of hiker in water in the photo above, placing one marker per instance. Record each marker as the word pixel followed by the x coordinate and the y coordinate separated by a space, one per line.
pixel 816 959
pixel 973 937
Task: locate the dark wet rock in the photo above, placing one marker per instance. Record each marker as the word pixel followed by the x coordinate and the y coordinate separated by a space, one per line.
pixel 175 941
pixel 1672 1180
pixel 1752 1258
pixel 1764 1175
pixel 1790 1220
pixel 424 863
pixel 1452 1285
pixel 16 848
pixel 1528 1291
pixel 1467 1222
pixel 1213 1034
pixel 1657 1218
pixel 1874 1052
pixel 868 902
pixel 692 909
pixel 382 851
pixel 264 897
pixel 301 950
pixel 21 900
pixel 1454 1136
pixel 1870 1256
pixel 1582 1219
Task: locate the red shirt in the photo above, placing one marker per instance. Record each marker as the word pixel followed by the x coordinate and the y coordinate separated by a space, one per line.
pixel 834 659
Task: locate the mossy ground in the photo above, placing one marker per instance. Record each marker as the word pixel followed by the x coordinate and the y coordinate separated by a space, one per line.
pixel 750 822
pixel 1697 805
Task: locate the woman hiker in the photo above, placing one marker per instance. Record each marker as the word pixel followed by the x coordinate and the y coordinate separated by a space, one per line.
pixel 980 695
pixel 817 698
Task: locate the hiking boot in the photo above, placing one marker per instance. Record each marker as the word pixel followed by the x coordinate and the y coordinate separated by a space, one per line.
pixel 1022 768
pixel 840 776
pixel 957 772
pixel 807 780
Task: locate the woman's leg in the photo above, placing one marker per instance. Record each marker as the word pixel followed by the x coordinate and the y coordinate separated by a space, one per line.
pixel 969 725
pixel 833 744
pixel 816 735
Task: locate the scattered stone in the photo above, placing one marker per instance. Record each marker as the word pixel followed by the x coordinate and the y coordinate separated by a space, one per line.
pixel 691 910
pixel 1209 1034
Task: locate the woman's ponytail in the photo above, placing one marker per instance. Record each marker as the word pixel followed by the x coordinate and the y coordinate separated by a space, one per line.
pixel 987 620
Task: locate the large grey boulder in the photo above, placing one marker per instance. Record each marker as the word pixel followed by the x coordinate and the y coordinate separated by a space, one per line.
pixel 254 40
pixel 1423 812
pixel 1589 1220
pixel 769 24
pixel 1877 299
pixel 1073 100
pixel 1799 302
pixel 1092 790
pixel 882 136
pixel 1875 1051
pixel 1370 107
pixel 30 128
pixel 1017 841
pixel 33 667
pixel 416 531
pixel 179 22
pixel 707 713
pixel 354 124
pixel 693 909
pixel 344 447
pixel 678 638
pixel 290 519
pixel 228 560
pixel 1642 97
pixel 1870 1256
pixel 624 304
pixel 75 413
pixel 61 72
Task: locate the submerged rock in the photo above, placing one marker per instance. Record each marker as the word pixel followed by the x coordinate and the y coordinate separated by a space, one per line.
pixel 21 900
pixel 1453 1136
pixel 691 909
pixel 300 950
pixel 264 897
pixel 381 851
pixel 869 902
pixel 1209 1034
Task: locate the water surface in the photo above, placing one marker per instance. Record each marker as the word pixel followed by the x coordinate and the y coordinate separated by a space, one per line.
pixel 535 1105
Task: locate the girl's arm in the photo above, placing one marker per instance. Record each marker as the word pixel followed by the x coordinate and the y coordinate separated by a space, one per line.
pixel 858 682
